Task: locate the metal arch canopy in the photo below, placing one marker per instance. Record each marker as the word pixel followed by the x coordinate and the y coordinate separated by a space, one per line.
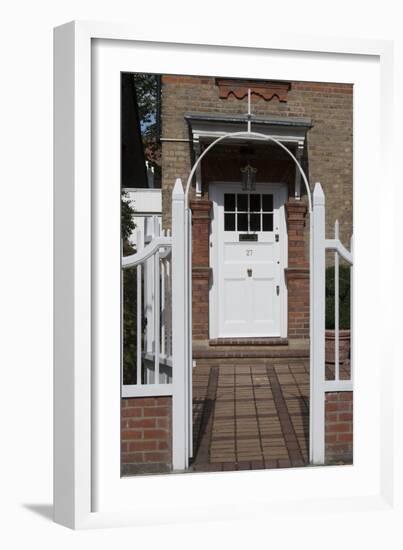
pixel 246 135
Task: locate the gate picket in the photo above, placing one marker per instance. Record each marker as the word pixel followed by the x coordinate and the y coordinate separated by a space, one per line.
pixel 319 385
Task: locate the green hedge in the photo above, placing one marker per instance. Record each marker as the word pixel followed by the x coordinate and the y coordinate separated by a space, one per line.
pixel 129 326
pixel 129 295
pixel 344 294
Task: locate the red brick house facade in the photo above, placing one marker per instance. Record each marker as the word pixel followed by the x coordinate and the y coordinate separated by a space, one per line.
pixel 312 120
pixel 315 122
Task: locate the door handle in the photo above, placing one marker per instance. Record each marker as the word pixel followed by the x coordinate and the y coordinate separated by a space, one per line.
pixel 278 290
pixel 249 272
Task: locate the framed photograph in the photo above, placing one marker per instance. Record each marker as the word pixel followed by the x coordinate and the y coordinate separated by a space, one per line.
pixel 219 222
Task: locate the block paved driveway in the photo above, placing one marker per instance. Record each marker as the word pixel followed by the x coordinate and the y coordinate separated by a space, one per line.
pixel 250 416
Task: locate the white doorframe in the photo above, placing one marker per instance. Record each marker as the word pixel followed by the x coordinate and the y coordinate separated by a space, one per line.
pixel 282 189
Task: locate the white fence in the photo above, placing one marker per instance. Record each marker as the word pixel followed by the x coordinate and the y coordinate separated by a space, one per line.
pixel 163 348
pixel 152 262
pixel 155 317
pixel 164 321
pixel 320 385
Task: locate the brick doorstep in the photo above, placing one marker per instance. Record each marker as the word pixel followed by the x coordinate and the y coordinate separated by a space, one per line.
pixel 249 352
pixel 248 342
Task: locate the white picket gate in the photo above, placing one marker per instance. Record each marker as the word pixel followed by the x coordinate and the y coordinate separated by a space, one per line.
pixel 319 384
pixel 164 348
pixel 164 298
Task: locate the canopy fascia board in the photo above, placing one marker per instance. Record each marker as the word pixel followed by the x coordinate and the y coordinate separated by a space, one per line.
pixel 209 127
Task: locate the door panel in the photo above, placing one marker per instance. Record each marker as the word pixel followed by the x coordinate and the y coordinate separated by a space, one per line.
pixel 264 305
pixel 234 302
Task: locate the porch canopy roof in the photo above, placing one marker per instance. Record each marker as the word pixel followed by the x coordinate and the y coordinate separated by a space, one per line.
pixel 207 127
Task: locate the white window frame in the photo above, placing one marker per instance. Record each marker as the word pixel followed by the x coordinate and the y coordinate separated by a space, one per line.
pixel 368 485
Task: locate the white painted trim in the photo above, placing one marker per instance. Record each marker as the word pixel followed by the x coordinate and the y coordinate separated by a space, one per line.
pixel 317 320
pixel 189 333
pixel 336 306
pixel 281 193
pixel 73 431
pixel 284 262
pixel 284 137
pixel 140 310
pixel 214 261
pixel 180 458
pixel 147 390
pixel 146 252
pixel 145 190
pixel 337 246
pixel 337 385
pixel 145 200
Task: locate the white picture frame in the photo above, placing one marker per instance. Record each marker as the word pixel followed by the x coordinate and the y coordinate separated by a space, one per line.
pixel 80 434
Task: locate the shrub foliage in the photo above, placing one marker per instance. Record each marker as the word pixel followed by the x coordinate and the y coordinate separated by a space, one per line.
pixel 344 297
pixel 129 280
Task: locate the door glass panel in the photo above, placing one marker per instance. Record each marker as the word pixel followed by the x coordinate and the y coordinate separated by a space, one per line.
pixel 242 203
pixel 229 222
pixel 254 221
pixel 267 203
pixel 267 222
pixel 248 212
pixel 242 222
pixel 254 203
pixel 229 202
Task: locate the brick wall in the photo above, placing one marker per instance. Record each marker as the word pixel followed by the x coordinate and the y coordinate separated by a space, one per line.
pixel 327 158
pixel 297 274
pixel 329 143
pixel 146 434
pixel 298 305
pixel 200 304
pixel 339 427
pixel 200 268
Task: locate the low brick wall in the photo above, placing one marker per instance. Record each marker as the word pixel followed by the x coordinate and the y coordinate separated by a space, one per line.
pixel 200 268
pixel 146 435
pixel 339 427
pixel 298 306
pixel 200 303
pixel 297 272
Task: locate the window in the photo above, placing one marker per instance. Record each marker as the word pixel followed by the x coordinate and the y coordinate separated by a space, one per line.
pixel 248 212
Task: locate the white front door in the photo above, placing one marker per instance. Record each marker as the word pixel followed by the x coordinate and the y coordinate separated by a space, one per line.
pixel 247 255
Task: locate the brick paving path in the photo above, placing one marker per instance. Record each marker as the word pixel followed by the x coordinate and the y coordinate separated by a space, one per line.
pixel 250 417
